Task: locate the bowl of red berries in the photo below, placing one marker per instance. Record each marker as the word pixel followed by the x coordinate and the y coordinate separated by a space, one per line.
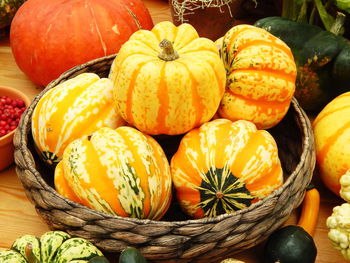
pixel 12 104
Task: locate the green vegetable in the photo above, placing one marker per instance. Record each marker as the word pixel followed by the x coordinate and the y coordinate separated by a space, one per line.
pixel 131 255
pixel 322 59
pixel 98 259
pixel 290 244
pixel 52 247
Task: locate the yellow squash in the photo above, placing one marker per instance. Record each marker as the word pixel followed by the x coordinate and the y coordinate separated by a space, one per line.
pixel 122 172
pixel 224 166
pixel 332 137
pixel 74 108
pixel 168 80
pixel 261 75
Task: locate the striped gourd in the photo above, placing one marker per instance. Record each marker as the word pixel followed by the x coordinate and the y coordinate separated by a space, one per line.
pixel 51 247
pixel 74 108
pixel 122 172
pixel 332 136
pixel 224 166
pixel 261 76
pixel 168 80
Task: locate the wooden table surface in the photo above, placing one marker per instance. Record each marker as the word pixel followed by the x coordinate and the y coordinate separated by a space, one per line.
pixel 18 216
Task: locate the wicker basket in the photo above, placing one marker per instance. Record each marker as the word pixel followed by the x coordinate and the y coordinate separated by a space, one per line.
pixel 175 238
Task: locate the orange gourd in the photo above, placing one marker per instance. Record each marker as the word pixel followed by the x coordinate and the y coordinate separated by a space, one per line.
pixel 168 80
pixel 49 37
pixel 224 166
pixel 261 75
pixel 332 136
pixel 117 171
pixel 72 109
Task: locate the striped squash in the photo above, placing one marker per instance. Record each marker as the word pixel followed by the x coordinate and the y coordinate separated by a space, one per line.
pixel 168 80
pixel 332 136
pixel 51 247
pixel 121 172
pixel 224 166
pixel 261 76
pixel 70 110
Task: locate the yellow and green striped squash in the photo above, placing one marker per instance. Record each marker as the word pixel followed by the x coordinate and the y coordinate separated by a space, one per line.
pixel 168 80
pixel 225 166
pixel 261 75
pixel 117 171
pixel 332 137
pixel 51 247
pixel 74 108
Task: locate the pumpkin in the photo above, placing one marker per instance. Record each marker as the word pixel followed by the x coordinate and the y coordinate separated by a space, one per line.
pixel 224 166
pixel 167 80
pixel 332 135
pixel 322 59
pixel 51 247
pixel 261 75
pixel 117 171
pixel 50 37
pixel 70 110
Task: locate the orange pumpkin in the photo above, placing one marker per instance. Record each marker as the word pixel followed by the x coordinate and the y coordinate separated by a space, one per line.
pixel 118 171
pixel 168 80
pixel 261 75
pixel 50 37
pixel 224 166
pixel 332 136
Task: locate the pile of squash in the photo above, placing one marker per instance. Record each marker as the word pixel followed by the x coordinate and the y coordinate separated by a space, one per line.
pixel 219 97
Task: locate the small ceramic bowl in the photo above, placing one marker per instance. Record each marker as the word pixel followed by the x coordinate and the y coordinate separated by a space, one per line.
pixel 6 144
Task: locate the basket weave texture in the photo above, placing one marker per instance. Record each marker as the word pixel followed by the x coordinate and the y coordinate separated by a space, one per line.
pixel 172 239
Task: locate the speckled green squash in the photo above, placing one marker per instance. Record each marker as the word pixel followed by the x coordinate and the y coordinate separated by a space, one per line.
pixel 51 247
pixel 8 9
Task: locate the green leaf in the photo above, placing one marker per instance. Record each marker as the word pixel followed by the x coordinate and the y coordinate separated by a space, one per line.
pixel 326 18
pixel 343 5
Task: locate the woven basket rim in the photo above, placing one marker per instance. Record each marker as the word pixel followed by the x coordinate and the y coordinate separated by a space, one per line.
pixel 25 128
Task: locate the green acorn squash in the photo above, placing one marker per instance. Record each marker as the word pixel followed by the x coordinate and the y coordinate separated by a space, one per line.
pixel 322 59
pixel 51 247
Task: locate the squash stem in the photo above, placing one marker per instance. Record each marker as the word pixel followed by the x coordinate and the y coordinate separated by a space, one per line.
pixel 28 251
pixel 337 26
pixel 167 53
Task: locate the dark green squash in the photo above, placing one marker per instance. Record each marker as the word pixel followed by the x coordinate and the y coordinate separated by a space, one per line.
pixel 98 259
pixel 290 244
pixel 322 59
pixel 131 255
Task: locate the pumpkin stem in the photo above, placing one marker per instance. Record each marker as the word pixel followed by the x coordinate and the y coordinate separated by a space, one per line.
pixel 28 251
pixel 219 195
pixel 167 53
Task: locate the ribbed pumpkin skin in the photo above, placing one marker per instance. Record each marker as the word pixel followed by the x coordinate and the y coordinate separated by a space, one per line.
pixel 224 166
pixel 74 108
pixel 261 76
pixel 51 247
pixel 122 172
pixel 332 136
pixel 168 97
pixel 50 37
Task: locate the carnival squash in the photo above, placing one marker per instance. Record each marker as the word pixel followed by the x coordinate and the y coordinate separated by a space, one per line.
pixel 121 172
pixel 51 247
pixel 261 76
pixel 332 135
pixel 50 37
pixel 322 59
pixel 224 166
pixel 70 110
pixel 168 80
